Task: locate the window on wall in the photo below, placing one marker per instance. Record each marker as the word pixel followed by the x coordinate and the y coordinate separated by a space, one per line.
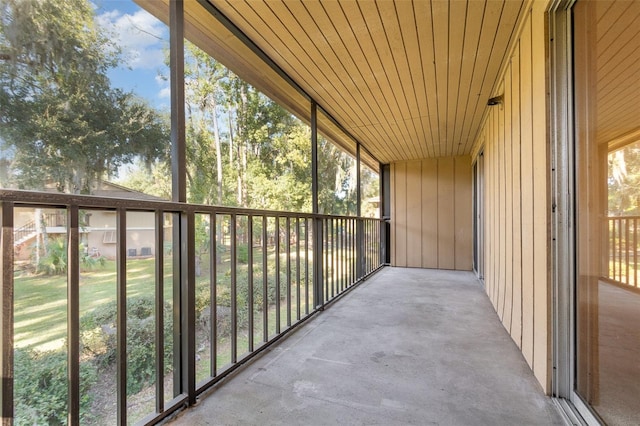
pixel 85 103
pixel 607 83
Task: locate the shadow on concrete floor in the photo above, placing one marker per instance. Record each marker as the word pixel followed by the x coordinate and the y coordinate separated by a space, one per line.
pixel 408 346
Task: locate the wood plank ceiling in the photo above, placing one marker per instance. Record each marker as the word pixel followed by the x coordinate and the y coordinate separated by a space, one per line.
pixel 617 71
pixel 409 79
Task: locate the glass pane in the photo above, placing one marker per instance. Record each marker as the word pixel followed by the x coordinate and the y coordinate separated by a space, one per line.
pixel 40 318
pixel 171 324
pixel 273 301
pixel 98 314
pixel 244 149
pixel 337 179
pixel 258 271
pixel 242 285
pixel 370 192
pixel 337 169
pixel 607 73
pixel 84 98
pixel 223 292
pixel 203 297
pixel 141 315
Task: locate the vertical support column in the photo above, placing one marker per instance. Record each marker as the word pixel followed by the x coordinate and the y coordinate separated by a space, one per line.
pixel 317 221
pixel 213 291
pixel 121 320
pixel 159 301
pixel 178 138
pixel 287 236
pixel 265 299
pixel 233 228
pixel 385 212
pixel 277 262
pixel 73 315
pixel 179 194
pixel 6 321
pixel 188 302
pixel 360 224
pixel 250 281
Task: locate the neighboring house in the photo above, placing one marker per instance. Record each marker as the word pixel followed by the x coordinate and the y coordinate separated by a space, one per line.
pixel 98 233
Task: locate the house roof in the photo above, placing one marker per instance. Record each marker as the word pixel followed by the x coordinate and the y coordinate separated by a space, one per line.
pixel 408 79
pixel 110 189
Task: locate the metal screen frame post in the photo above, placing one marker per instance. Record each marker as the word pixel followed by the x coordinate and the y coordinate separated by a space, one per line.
pixel 178 176
pixel 318 278
pixel 159 302
pixel 385 213
pixel 121 321
pixel 187 302
pixel 360 225
pixel 73 315
pixel 233 263
pixel 6 322
pixel 178 136
pixel 250 302
pixel 213 291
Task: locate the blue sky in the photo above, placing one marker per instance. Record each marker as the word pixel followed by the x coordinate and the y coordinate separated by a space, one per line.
pixel 143 40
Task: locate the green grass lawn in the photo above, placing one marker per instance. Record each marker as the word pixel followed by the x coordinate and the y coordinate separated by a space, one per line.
pixel 40 301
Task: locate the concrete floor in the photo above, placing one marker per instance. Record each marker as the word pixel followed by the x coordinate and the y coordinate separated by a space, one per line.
pixel 406 347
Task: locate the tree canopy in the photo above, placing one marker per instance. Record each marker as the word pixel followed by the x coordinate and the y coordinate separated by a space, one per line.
pixel 61 119
pixel 63 122
pixel 624 181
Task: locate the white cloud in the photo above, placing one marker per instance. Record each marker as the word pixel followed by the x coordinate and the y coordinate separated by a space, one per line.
pixel 140 35
pixel 165 93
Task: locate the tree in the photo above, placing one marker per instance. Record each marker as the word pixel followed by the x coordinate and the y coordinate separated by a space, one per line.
pixel 337 180
pixel 203 93
pixel 243 149
pixel 58 110
pixel 624 181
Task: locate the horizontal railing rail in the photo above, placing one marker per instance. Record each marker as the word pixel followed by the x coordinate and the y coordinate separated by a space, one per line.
pixel 623 250
pixel 224 283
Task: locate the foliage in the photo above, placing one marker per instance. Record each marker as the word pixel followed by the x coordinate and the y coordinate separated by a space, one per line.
pixel 54 259
pixel 243 149
pixel 337 183
pixel 624 181
pixel 64 121
pixel 41 391
pixel 149 179
pixel 99 339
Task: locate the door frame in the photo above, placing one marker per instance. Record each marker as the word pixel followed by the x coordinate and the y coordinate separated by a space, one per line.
pixel 563 218
pixel 478 215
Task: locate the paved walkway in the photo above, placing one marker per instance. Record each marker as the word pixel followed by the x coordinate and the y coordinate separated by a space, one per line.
pixel 406 347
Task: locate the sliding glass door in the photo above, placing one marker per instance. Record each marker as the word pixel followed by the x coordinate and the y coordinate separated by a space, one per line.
pixel 606 59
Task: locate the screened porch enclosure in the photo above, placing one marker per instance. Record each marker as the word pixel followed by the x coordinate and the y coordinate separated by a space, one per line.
pixel 181 319
pixel 189 188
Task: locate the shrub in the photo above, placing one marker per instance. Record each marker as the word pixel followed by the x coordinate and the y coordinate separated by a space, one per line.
pixel 242 253
pixel 40 391
pixel 54 259
pixel 99 339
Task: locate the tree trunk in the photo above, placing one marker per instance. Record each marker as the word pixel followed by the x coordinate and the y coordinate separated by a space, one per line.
pixel 216 136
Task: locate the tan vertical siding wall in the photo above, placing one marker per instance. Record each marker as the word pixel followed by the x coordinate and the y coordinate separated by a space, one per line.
pixel 431 213
pixel 514 138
